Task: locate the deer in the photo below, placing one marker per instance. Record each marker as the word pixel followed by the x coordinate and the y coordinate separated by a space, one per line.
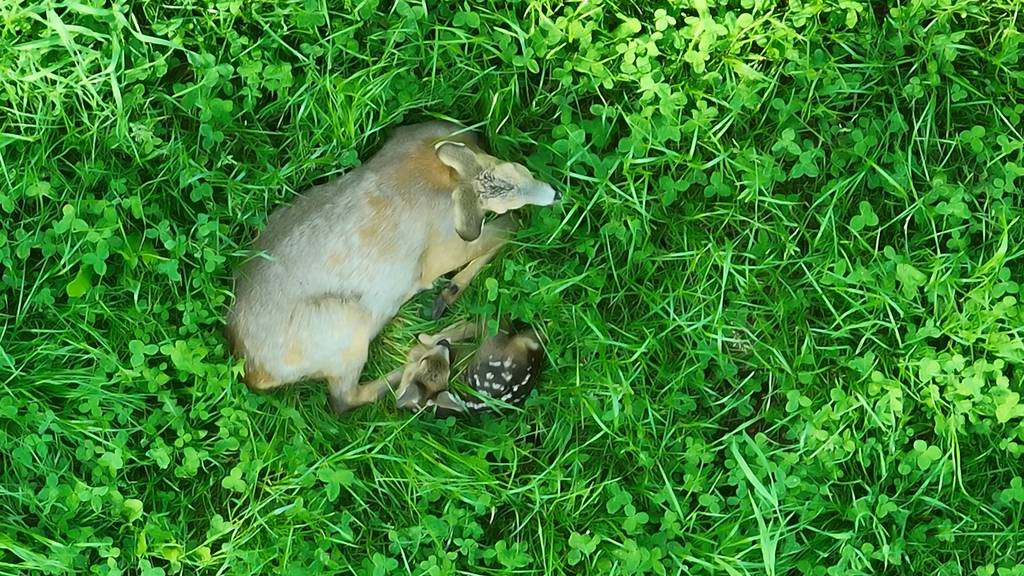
pixel 337 263
pixel 503 372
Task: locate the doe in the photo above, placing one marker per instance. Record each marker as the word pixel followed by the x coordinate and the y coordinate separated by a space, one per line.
pixel 345 255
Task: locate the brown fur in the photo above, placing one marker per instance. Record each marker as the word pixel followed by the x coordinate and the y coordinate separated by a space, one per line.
pixel 294 354
pixel 423 166
pixel 378 203
pixel 439 258
pixel 257 379
pixel 376 232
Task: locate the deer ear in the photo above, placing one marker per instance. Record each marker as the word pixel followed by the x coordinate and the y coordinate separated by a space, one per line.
pixel 458 157
pixel 448 402
pixel 408 395
pixel 410 399
pixel 469 216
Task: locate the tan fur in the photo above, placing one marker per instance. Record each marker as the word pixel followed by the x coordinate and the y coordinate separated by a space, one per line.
pixel 258 379
pixel 440 257
pixel 371 232
pixel 359 349
pixel 347 254
pixel 422 166
pixel 293 356
pixel 377 203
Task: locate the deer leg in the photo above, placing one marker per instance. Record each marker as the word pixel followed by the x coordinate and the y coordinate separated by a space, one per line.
pixel 479 252
pixel 461 330
pixel 353 396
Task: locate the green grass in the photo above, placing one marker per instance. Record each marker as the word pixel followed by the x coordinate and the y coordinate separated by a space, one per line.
pixel 781 294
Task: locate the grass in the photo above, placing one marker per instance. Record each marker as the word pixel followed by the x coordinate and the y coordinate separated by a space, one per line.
pixel 781 294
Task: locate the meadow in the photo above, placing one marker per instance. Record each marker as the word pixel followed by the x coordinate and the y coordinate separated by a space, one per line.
pixel 780 295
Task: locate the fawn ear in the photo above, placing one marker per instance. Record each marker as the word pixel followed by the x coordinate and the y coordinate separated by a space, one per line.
pixel 469 216
pixel 409 393
pixel 531 344
pixel 448 401
pixel 410 397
